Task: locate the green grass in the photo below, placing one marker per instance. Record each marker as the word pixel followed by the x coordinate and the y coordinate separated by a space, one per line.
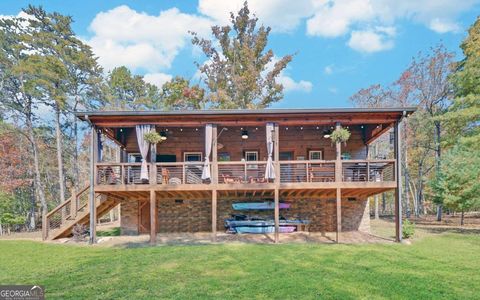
pixel 437 267
pixel 115 231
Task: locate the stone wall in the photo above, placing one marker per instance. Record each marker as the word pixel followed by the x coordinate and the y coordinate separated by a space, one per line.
pixel 195 215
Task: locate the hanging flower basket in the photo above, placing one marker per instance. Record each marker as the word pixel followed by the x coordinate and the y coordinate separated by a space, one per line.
pixel 152 137
pixel 340 135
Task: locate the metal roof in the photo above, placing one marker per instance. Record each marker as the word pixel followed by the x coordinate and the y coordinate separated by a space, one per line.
pixel 407 110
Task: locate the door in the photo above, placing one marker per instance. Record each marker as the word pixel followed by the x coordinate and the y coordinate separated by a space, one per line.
pixel 143 217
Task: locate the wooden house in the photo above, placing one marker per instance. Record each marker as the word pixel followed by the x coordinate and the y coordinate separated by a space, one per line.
pixel 208 160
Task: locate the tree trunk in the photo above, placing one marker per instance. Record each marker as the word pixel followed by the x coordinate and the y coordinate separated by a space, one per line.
pixel 58 132
pixel 376 206
pixel 36 164
pixel 438 133
pixel 384 203
pixel 462 219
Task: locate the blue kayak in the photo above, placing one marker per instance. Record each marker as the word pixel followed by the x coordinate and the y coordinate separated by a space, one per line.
pixel 258 205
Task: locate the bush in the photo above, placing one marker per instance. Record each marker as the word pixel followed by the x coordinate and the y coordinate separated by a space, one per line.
pixel 79 232
pixel 408 229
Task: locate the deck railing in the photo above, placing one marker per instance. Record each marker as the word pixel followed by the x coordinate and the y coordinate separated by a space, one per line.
pixel 307 171
pixel 230 172
pixel 242 172
pixel 368 170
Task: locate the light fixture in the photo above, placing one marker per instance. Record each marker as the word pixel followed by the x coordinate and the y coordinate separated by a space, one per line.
pixel 163 136
pixel 244 134
pixel 327 133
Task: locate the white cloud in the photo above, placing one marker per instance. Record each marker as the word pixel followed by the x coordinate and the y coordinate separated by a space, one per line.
pixel 443 26
pixel 333 90
pixel 334 18
pixel 281 15
pixel 328 70
pixel 157 79
pixel 123 36
pixel 290 85
pixel 370 41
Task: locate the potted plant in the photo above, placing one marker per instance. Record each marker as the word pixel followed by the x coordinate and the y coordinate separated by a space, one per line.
pixel 152 137
pixel 340 135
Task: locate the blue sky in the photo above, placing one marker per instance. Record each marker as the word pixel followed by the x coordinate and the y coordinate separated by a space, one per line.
pixel 340 45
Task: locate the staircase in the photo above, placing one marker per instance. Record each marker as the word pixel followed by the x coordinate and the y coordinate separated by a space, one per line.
pixel 59 222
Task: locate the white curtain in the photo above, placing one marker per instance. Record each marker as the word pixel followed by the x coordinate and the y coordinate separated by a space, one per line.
pixel 208 150
pixel 143 146
pixel 270 169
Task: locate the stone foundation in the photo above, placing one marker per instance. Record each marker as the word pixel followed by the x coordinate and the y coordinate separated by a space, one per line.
pixel 195 215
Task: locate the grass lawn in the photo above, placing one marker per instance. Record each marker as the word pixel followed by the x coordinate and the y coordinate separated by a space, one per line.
pixel 440 266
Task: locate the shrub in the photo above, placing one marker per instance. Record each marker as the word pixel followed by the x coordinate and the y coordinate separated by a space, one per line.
pixel 408 229
pixel 340 135
pixel 79 232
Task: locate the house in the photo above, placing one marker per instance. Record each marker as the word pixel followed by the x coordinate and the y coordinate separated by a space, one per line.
pixel 209 160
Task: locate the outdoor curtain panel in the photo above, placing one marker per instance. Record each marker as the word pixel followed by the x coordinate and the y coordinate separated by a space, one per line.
pixel 270 169
pixel 143 146
pixel 208 150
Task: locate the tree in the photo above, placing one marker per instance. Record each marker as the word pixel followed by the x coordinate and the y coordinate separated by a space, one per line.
pixel 457 184
pixel 125 91
pixel 179 94
pixel 463 116
pixel 429 76
pixel 239 72
pixel 19 94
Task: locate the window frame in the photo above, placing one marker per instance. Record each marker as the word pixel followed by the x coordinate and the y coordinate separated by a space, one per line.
pixel 186 153
pixel 311 151
pixel 246 153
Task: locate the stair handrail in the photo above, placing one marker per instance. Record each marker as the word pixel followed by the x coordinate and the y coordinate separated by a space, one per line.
pixel 45 218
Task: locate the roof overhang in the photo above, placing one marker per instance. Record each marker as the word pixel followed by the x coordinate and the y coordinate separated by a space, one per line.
pixel 345 116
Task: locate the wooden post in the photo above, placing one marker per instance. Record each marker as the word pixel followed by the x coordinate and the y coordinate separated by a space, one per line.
pixel 339 214
pixel 338 178
pixel 214 181
pixel 277 216
pixel 276 156
pixel 153 217
pixel 73 204
pixel 398 179
pixel 214 174
pixel 92 204
pixel 214 215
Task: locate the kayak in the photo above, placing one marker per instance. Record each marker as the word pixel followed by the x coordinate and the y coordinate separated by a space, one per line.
pixel 264 229
pixel 258 205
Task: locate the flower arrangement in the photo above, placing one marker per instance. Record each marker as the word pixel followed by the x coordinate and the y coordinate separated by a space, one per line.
pixel 340 135
pixel 152 137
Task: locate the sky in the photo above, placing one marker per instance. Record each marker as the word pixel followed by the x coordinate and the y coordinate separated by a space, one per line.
pixel 339 46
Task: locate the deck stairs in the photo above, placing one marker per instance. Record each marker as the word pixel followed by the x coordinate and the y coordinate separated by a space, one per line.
pixel 59 222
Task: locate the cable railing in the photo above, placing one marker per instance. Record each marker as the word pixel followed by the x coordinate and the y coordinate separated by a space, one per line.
pixel 230 172
pixel 242 172
pixel 368 170
pixel 307 171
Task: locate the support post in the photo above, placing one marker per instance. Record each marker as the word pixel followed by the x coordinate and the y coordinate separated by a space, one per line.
pixel 276 156
pixel 277 216
pixel 338 178
pixel 92 204
pixel 214 175
pixel 398 179
pixel 214 215
pixel 339 214
pixel 73 204
pixel 153 217
pixel 44 227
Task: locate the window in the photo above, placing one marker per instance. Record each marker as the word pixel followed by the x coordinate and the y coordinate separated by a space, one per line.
pixel 251 156
pixel 192 156
pixel 134 157
pixel 315 155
